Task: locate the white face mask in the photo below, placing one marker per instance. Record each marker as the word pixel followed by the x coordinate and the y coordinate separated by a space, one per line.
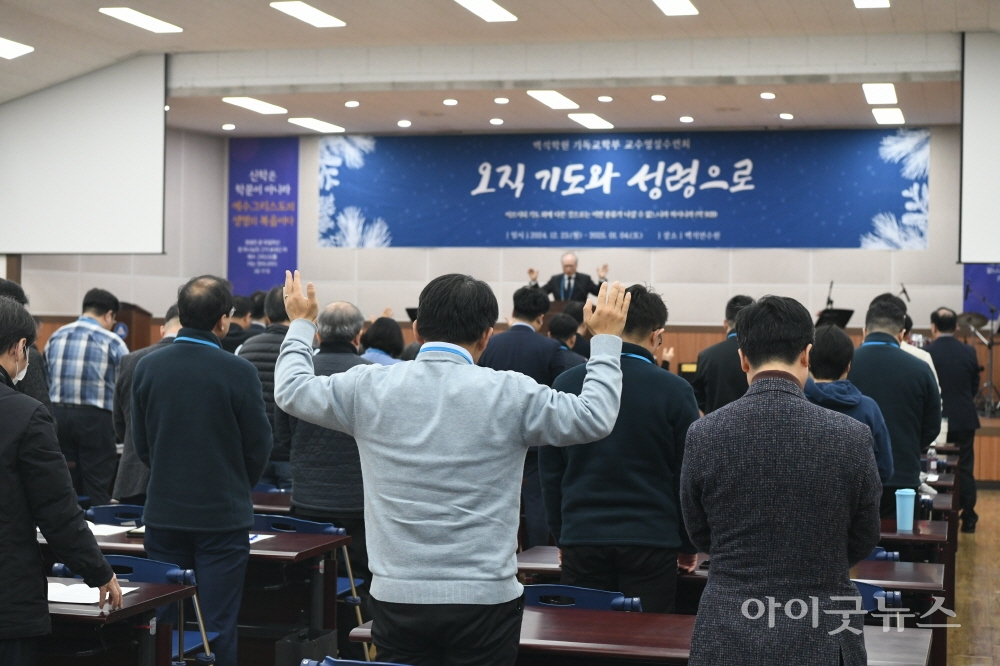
pixel 20 374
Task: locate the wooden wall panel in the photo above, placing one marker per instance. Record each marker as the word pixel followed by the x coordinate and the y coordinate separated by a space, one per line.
pixel 987 458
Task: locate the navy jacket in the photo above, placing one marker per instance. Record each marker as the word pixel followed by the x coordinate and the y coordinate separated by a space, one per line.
pixel 844 397
pixel 958 371
pixel 582 286
pixel 907 394
pixel 719 379
pixel 522 349
pixel 199 423
pixel 570 358
pixel 623 490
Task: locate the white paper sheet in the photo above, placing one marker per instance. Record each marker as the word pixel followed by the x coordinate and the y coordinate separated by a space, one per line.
pixel 108 530
pixel 254 538
pixel 78 593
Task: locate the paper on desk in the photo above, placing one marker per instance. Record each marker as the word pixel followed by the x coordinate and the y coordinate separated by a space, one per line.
pixel 254 538
pixel 108 530
pixel 78 593
pixel 931 478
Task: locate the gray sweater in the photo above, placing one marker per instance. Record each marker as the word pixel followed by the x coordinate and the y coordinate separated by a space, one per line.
pixel 442 444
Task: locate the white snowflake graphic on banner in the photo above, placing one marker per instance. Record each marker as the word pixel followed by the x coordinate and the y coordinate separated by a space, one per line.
pixel 348 228
pixel 909 232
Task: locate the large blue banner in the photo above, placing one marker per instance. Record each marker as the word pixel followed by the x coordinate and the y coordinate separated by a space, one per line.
pixel 983 288
pixel 263 211
pixel 802 189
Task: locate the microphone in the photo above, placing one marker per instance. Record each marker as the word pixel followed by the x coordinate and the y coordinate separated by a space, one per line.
pixel 903 292
pixel 968 288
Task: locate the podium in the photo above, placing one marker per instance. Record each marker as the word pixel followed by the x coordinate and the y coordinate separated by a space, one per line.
pixel 555 307
pixel 138 322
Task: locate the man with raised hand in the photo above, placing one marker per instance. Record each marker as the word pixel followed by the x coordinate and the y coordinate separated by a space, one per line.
pixel 442 444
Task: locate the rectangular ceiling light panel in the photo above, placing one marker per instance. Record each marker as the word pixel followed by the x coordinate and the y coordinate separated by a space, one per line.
pixel 255 105
pixel 309 14
pixel 885 116
pixel 487 10
pixel 553 99
pixel 315 124
pixel 139 19
pixel 591 121
pixel 879 93
pixel 10 49
pixel 677 7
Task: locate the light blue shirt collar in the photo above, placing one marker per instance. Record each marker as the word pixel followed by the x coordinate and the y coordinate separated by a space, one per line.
pixel 447 348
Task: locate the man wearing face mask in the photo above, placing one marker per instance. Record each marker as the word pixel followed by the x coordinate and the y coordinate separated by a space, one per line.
pixel 35 489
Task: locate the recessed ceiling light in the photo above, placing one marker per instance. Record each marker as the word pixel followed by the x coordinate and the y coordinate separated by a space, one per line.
pixel 501 100
pixel 871 4
pixel 487 10
pixel 890 116
pixel 351 104
pixel 229 127
pixel 404 123
pixel 687 119
pixel 450 102
pixel 553 99
pixel 309 14
pixel 318 125
pixel 605 98
pixel 767 95
pixel 496 121
pixel 166 107
pixel 139 19
pixel 676 7
pixel 659 98
pixel 10 50
pixel 879 93
pixel 590 120
pixel 786 116
pixel 254 105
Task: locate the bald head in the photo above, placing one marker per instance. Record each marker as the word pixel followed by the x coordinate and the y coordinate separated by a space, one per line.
pixel 340 322
pixel 569 263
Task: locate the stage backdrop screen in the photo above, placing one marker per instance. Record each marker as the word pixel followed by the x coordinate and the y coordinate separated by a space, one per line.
pixel 792 189
pixel 81 164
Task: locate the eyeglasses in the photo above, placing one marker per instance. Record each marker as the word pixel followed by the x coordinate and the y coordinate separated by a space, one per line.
pixel 232 311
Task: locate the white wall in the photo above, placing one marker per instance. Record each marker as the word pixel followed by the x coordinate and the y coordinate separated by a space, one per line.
pixel 195 240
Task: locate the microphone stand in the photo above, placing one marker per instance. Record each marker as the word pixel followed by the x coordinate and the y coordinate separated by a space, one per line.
pixel 829 297
pixel 990 403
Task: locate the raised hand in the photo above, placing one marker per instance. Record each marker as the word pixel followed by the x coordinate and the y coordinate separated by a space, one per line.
pixel 299 305
pixel 533 275
pixel 666 354
pixel 608 318
pixel 602 272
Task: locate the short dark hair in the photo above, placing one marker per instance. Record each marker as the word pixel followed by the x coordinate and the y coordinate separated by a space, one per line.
pixel 945 319
pixel 530 303
pixel 385 335
pixel 172 313
pixel 562 327
pixel 907 324
pixel 243 306
pixel 100 302
pixel 831 354
pixel 257 298
pixel 15 323
pixel 274 305
pixel 885 315
pixel 13 290
pixel 646 312
pixel 575 310
pixel 456 308
pixel 735 304
pixel 890 298
pixel 203 300
pixel 773 328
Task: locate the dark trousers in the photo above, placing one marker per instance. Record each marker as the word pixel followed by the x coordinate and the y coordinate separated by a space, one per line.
pixel 635 571
pixel 278 473
pixel 19 652
pixel 447 634
pixel 87 439
pixel 536 528
pixel 219 560
pixel 887 507
pixel 965 440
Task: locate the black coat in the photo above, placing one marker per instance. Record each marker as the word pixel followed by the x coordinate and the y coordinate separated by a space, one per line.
pixel 784 497
pixel 907 393
pixel 582 286
pixel 957 368
pixel 36 380
pixel 522 349
pixel 35 489
pixel 237 335
pixel 719 379
pixel 262 350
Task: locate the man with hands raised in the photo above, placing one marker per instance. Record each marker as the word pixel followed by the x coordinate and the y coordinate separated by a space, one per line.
pixel 442 444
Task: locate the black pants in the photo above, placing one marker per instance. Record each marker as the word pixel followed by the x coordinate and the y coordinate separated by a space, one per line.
pixel 536 527
pixel 87 439
pixel 19 652
pixel 965 440
pixel 635 571
pixel 447 634
pixel 887 508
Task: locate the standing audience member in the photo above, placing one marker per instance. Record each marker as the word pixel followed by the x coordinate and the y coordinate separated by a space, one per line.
pixel 262 350
pixel 614 506
pixel 523 350
pixel 326 466
pixel 719 380
pixel 442 550
pixel 828 386
pixel 958 371
pixel 199 423
pixel 410 352
pixel 787 529
pixel 258 319
pixel 133 474
pixel 35 489
pixel 570 285
pixel 582 345
pixel 240 328
pixel 383 342
pixel 36 382
pixel 562 328
pixel 906 393
pixel 83 360
pixel 912 350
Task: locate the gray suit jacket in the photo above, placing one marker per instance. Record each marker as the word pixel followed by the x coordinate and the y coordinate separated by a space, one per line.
pixel 784 496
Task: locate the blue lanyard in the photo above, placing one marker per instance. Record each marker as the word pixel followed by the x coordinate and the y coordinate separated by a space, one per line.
pixel 200 342
pixel 869 344
pixel 445 349
pixel 641 358
pixel 731 335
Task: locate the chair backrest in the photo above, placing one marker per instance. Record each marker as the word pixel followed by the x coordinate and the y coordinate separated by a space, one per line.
pixel 882 554
pixel 870 595
pixel 331 661
pixel 138 570
pixel 580 597
pixel 265 523
pixel 116 514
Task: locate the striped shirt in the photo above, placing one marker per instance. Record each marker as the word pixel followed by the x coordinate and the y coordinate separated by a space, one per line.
pixel 83 358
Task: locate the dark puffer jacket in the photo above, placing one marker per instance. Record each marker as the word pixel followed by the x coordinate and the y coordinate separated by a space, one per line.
pixel 262 350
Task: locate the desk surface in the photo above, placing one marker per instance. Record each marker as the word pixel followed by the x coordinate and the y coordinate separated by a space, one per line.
pixel 924 531
pixel 944 480
pixel 663 638
pixel 944 502
pixel 148 597
pixel 274 503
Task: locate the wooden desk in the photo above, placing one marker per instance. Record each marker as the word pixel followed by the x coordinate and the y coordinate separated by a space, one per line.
pixel 279 504
pixel 924 531
pixel 539 560
pixel 944 502
pixel 948 460
pixel 945 481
